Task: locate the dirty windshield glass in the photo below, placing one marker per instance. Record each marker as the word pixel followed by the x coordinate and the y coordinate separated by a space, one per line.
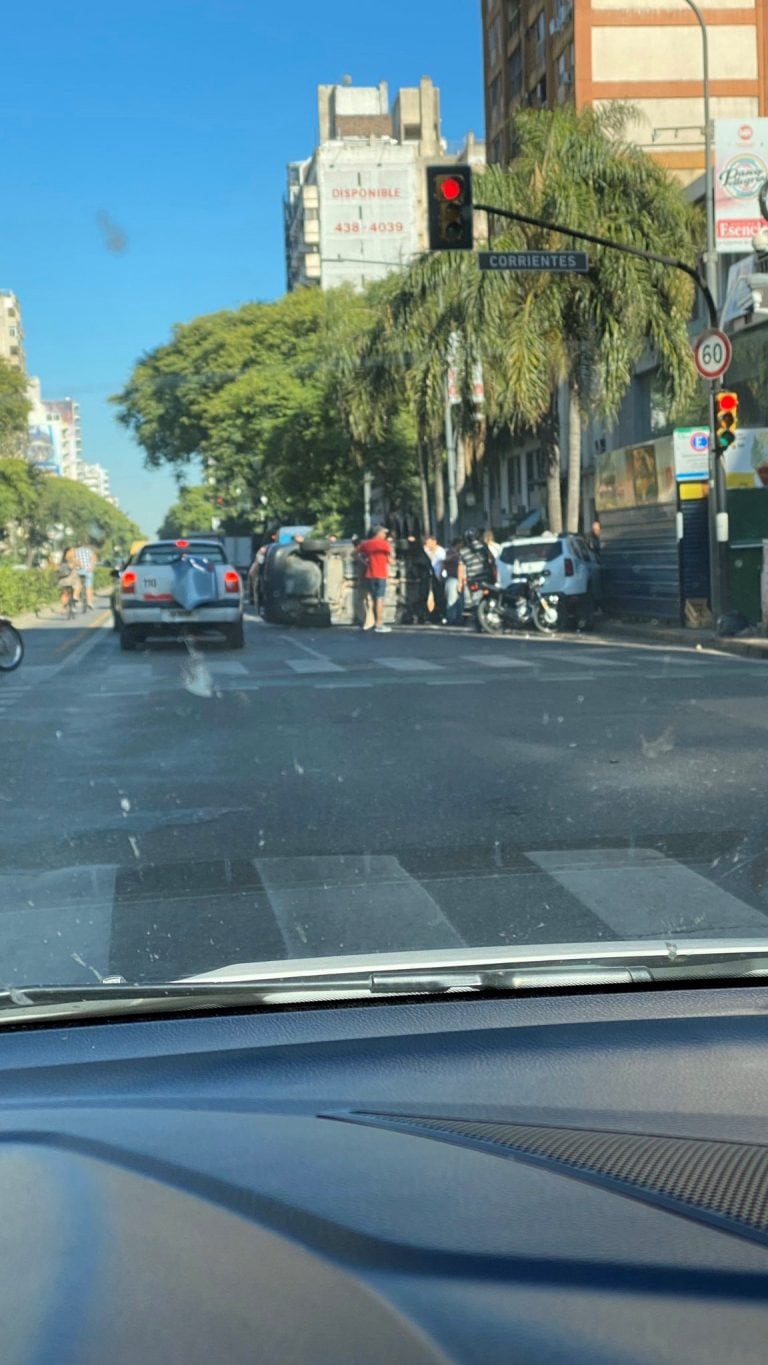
pixel 383 486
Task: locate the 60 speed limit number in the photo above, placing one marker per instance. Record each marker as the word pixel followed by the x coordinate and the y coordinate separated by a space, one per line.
pixel 712 352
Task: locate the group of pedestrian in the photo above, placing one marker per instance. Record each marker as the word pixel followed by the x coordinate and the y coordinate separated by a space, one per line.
pixel 75 576
pixel 469 561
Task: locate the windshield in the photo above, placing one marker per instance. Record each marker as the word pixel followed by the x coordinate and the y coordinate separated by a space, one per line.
pixel 406 323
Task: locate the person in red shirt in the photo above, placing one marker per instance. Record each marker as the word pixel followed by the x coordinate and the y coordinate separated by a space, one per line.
pixel 376 553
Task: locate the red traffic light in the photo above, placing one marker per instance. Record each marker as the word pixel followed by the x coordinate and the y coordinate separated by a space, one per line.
pixel 451 188
pixel 727 402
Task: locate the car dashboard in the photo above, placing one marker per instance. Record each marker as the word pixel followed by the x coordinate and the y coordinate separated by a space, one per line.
pixel 570 1177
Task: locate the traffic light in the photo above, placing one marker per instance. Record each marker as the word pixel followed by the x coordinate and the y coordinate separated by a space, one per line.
pixel 726 420
pixel 449 208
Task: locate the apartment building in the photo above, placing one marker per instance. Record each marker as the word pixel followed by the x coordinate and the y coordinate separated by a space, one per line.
pixel 355 209
pixel 649 53
pixel 11 330
pixel 93 476
pixel 64 419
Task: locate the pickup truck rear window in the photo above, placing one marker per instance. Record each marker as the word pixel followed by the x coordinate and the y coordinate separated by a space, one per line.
pixel 168 554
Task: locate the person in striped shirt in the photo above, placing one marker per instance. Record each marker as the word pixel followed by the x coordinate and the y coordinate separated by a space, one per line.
pixel 85 559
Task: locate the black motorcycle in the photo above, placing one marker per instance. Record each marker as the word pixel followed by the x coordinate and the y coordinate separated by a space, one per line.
pixel 520 605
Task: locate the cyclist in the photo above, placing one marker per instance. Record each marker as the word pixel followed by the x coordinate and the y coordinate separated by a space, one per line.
pixel 68 580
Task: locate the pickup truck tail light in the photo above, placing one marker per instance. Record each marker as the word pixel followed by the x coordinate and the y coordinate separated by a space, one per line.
pixel 128 581
pixel 231 581
pixel 569 568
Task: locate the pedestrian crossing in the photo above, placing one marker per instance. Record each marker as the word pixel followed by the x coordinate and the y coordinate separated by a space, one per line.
pixel 211 674
pixel 158 922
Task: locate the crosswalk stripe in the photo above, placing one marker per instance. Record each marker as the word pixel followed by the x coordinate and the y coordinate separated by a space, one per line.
pixel 640 893
pixel 340 904
pixel 410 664
pixel 318 665
pixel 498 661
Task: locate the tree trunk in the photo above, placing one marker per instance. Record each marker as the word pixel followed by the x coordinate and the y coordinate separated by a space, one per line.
pixel 554 498
pixel 439 481
pixel 424 491
pixel 573 508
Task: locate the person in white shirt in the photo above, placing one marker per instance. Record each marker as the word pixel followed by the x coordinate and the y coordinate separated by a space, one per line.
pixel 493 545
pixel 436 555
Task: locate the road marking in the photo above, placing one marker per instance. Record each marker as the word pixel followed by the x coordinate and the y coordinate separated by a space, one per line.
pixel 316 665
pixel 298 644
pixel 407 664
pixel 360 904
pixel 48 917
pixel 640 893
pixel 491 661
pixel 227 667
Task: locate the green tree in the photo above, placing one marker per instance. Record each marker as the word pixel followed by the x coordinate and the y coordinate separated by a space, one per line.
pixel 75 513
pixel 193 511
pixel 259 397
pixel 14 408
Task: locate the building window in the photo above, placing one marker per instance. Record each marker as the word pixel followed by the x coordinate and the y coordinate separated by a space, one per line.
pixel 565 73
pixel 513 16
pixel 515 73
pixel 12 331
pixel 311 215
pixel 494 40
pixel 535 39
pixel 494 99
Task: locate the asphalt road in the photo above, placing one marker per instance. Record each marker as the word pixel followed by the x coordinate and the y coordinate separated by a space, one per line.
pixel 168 811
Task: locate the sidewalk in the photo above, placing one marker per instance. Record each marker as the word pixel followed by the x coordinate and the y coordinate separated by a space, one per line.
pixel 752 646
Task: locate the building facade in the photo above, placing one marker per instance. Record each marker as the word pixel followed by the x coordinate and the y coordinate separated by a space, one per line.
pixel 95 477
pixel 354 209
pixel 11 330
pixel 64 420
pixel 648 53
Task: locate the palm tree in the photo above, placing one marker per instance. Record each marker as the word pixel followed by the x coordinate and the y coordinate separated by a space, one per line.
pixel 531 332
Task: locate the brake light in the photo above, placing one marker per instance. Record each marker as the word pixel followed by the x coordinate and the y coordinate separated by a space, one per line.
pixel 231 581
pixel 182 544
pixel 569 568
pixel 128 581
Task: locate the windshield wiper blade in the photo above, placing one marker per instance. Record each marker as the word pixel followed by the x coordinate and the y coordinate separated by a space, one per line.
pixel 451 972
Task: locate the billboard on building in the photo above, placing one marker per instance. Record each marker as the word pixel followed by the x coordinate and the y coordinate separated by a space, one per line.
pixel 635 476
pixel 741 166
pixel 369 212
pixel 41 450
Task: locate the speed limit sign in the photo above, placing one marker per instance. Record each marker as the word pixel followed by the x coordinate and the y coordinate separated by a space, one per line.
pixel 712 352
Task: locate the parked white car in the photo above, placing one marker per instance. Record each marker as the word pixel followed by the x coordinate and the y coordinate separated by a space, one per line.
pixel 574 571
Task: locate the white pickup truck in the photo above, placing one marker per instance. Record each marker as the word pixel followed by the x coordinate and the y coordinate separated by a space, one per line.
pixel 173 586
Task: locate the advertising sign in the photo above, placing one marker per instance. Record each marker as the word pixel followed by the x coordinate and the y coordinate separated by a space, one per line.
pixel 741 166
pixel 691 449
pixel 636 476
pixel 369 212
pixel 746 461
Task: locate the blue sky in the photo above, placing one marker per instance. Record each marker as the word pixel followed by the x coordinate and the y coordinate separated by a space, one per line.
pixel 176 119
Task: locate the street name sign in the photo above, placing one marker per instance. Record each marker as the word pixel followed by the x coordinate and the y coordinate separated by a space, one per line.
pixel 562 262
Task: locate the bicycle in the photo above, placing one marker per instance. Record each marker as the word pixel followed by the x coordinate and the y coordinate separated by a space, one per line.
pixel 11 647
pixel 70 606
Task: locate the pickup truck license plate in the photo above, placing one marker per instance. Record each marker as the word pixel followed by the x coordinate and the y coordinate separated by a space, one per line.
pixel 171 616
